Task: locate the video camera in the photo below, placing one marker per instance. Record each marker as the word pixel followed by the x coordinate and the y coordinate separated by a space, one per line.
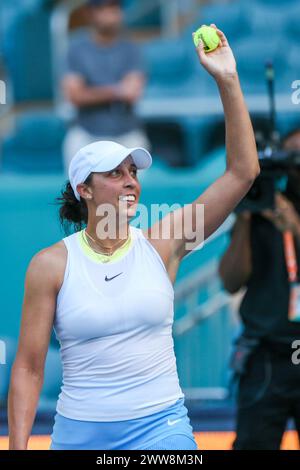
pixel 275 162
pixel 275 166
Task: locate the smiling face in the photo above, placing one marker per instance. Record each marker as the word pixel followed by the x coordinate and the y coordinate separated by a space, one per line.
pixel 119 187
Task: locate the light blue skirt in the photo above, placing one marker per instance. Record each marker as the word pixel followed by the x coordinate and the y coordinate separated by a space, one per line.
pixel 169 429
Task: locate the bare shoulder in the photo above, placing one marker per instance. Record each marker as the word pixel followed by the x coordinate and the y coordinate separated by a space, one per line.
pixel 48 266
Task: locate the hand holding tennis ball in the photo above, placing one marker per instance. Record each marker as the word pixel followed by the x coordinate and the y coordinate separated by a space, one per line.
pixel 214 52
pixel 208 36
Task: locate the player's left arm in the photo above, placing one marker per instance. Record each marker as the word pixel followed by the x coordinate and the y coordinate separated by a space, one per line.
pixel 242 165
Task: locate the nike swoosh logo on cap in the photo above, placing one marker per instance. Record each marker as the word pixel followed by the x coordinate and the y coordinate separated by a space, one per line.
pixel 111 278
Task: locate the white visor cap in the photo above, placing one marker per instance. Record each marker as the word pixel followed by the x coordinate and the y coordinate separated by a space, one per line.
pixel 103 156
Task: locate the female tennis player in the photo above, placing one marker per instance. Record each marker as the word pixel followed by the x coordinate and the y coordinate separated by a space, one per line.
pixel 110 296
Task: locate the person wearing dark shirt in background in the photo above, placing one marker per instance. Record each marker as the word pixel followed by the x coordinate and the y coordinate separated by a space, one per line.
pixel 104 79
pixel 269 380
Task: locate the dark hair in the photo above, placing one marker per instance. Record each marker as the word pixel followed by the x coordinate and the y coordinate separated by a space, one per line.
pixel 73 214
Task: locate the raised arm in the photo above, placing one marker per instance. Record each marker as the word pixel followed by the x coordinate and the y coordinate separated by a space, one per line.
pixel 242 165
pixel 43 280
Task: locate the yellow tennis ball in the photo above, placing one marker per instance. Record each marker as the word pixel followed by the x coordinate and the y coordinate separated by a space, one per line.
pixel 209 37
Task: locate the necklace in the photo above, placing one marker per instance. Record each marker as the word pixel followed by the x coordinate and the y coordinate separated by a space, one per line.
pixel 111 250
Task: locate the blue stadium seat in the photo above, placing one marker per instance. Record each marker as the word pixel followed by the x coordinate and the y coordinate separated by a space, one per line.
pixel 172 72
pixel 251 59
pixel 266 20
pixel 231 18
pixel 35 146
pixel 291 25
pixel 27 52
pixel 169 66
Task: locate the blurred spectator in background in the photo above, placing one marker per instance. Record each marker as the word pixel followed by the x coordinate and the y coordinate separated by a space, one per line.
pixel 269 380
pixel 105 78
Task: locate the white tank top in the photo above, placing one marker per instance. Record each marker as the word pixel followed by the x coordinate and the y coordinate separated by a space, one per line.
pixel 114 324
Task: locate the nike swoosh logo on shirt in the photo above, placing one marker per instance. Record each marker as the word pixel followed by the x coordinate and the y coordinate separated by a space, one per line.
pixel 171 423
pixel 111 278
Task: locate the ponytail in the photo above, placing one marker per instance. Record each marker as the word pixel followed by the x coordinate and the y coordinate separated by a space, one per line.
pixel 72 213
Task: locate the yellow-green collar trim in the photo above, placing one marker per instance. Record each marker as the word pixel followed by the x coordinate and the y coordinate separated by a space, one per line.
pixel 97 257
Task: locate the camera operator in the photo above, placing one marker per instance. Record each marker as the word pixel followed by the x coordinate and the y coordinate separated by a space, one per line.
pixel 263 256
